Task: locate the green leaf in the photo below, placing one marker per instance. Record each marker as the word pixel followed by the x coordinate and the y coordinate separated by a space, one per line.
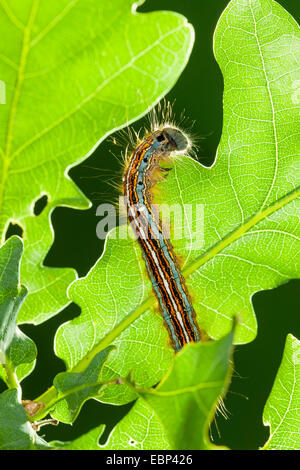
pixel 185 400
pixel 140 429
pixel 245 235
pixel 17 351
pixel 16 432
pixel 73 73
pixel 11 293
pixel 180 409
pixel 74 388
pixel 282 410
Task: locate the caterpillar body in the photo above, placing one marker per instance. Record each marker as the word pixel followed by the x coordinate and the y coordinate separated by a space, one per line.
pixel 162 265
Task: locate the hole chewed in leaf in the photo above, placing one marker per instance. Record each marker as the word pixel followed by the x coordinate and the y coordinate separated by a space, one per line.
pixel 40 204
pixel 132 442
pixel 14 229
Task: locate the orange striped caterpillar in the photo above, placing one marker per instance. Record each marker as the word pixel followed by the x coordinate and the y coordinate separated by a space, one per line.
pixel 162 266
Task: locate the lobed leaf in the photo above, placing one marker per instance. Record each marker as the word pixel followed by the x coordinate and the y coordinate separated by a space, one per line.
pixel 74 388
pixel 186 399
pixel 73 72
pixel 250 196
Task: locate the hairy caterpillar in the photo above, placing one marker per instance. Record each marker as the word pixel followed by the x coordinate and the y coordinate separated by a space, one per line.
pixel 143 170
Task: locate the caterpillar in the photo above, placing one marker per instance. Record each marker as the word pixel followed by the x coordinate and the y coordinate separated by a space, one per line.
pixel 143 171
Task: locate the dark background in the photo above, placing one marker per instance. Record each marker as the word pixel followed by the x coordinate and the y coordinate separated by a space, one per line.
pixel 199 92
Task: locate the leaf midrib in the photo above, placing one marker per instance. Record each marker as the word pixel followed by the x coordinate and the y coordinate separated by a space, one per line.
pixel 240 231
